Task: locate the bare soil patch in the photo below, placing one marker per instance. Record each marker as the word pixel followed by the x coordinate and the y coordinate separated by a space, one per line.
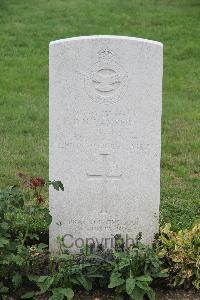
pixel 160 295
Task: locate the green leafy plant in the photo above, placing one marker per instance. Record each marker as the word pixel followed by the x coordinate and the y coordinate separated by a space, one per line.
pixel 66 272
pixel 14 250
pixel 134 270
pixel 180 252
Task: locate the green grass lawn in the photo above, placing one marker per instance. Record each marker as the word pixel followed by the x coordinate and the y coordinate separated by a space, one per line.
pixel 27 27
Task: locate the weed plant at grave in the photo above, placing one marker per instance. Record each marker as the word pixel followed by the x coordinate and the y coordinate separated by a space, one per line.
pixel 29 271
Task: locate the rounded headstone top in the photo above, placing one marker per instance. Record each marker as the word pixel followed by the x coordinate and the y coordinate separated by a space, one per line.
pixel 106 37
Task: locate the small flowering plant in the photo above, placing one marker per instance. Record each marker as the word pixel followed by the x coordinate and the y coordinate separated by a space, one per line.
pixel 33 192
pixel 37 185
pixel 19 206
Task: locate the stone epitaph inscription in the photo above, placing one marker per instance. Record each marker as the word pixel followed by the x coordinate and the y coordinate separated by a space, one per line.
pixel 105 137
pixel 106 81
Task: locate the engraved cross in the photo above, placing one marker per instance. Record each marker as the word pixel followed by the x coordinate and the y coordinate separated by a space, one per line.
pixel 105 175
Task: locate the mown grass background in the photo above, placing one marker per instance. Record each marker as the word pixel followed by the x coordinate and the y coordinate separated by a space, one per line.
pixel 27 27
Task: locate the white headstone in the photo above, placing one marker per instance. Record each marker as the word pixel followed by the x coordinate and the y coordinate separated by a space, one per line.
pixel 105 138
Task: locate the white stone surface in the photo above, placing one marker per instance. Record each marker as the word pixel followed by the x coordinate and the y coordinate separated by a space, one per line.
pixel 105 137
